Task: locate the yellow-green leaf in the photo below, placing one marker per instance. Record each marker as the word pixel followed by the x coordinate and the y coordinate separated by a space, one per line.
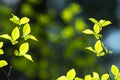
pixel 3 63
pixel 114 70
pixel 104 23
pixel 91 49
pixel 1 52
pixel 24 48
pixel 1 44
pixel 95 75
pixel 15 19
pixel 71 74
pixel 94 20
pixel 26 29
pixel 62 78
pixel 87 77
pixel 88 31
pixel 5 36
pixel 30 37
pixel 96 28
pixel 16 53
pixel 100 54
pixel 98 46
pixel 15 34
pixel 105 77
pixel 27 56
pixel 24 20
pixel 77 78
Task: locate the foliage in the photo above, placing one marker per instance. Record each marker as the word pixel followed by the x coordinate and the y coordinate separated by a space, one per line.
pixel 100 50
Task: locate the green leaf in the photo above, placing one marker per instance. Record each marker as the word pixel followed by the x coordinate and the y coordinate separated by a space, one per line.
pixel 62 78
pixel 88 31
pixel 15 34
pixel 71 74
pixel 1 52
pixel 98 46
pixel 105 77
pixel 88 77
pixel 26 29
pixel 16 53
pixel 114 70
pixel 5 36
pixel 100 54
pixel 24 48
pixel 3 63
pixel 91 49
pixel 95 75
pixel 15 19
pixel 30 37
pixel 77 78
pixel 27 56
pixel 96 28
pixel 1 44
pixel 24 20
pixel 104 23
pixel 94 20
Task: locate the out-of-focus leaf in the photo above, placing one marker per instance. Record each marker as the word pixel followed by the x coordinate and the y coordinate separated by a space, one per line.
pixel 1 44
pixel 1 52
pixel 105 77
pixel 27 56
pixel 88 31
pixel 62 78
pixel 3 63
pixel 114 70
pixel 87 77
pixel 5 36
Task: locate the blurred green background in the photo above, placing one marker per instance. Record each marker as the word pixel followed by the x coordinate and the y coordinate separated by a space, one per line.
pixel 58 25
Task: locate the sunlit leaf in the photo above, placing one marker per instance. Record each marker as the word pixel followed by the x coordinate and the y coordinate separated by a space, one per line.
pixel 71 74
pixel 27 56
pixel 15 33
pixel 14 19
pixel 104 23
pixel 94 20
pixel 24 20
pixel 3 63
pixel 5 36
pixel 1 44
pixel 98 46
pixel 88 31
pixel 62 78
pixel 114 70
pixel 91 49
pixel 24 48
pixel 16 53
pixel 30 37
pixel 95 75
pixel 100 54
pixel 105 77
pixel 96 28
pixel 1 52
pixel 26 29
pixel 77 78
pixel 87 77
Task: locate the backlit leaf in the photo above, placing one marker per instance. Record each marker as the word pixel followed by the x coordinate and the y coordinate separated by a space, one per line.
pixel 1 52
pixel 24 48
pixel 77 78
pixel 15 33
pixel 3 63
pixel 5 36
pixel 88 77
pixel 88 31
pixel 30 37
pixel 105 77
pixel 27 56
pixel 95 75
pixel 93 20
pixel 24 20
pixel 114 70
pixel 96 28
pixel 62 78
pixel 1 44
pixel 98 46
pixel 26 29
pixel 104 23
pixel 14 19
pixel 91 49
pixel 101 54
pixel 71 74
pixel 16 53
